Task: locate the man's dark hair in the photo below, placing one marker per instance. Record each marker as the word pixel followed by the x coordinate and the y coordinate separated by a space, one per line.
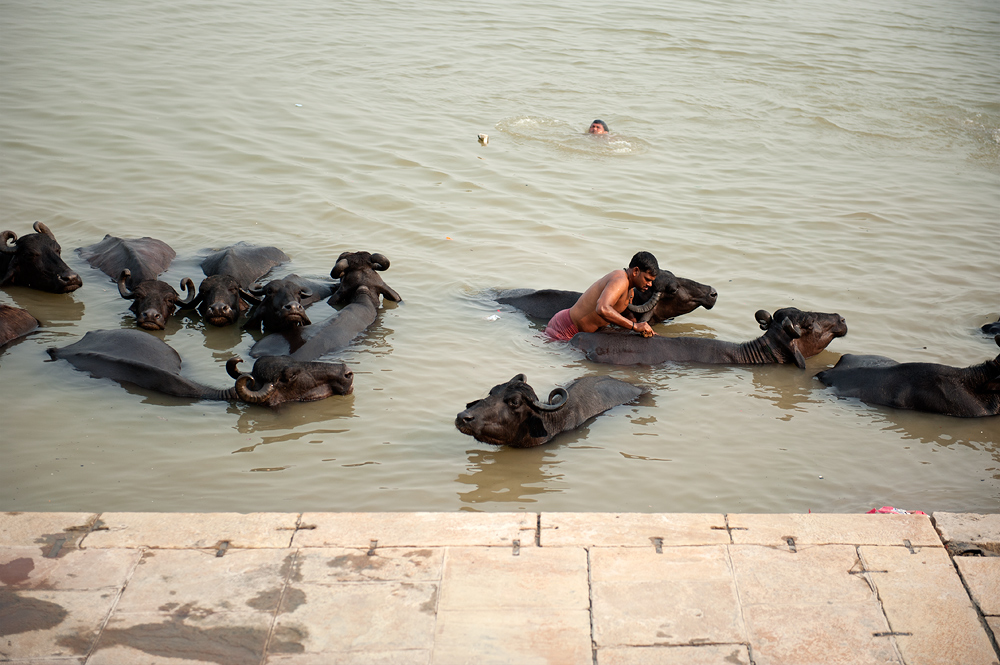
pixel 645 262
pixel 602 124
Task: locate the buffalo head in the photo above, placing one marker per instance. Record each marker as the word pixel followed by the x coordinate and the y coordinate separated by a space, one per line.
pixel 35 261
pixel 671 296
pixel 280 305
pixel 153 301
pixel 221 300
pixel 355 269
pixel 278 379
pixel 803 334
pixel 511 415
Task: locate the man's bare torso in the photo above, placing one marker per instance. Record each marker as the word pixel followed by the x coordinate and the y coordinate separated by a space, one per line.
pixel 584 312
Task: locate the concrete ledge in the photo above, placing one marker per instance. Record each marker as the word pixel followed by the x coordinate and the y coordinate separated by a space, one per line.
pixel 964 532
pixel 444 588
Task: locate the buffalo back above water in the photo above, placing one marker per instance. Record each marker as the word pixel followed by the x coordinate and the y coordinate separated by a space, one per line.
pixel 15 322
pixel 145 258
pixel 967 392
pixel 244 262
pixel 791 336
pixel 35 261
pixel 512 415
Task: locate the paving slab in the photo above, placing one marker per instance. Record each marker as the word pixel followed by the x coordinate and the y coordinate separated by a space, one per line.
pixel 337 565
pixel 370 616
pixel 359 530
pixel 829 529
pixel 175 581
pixel 969 530
pixel 27 568
pixel 43 529
pixel 632 529
pixel 175 639
pixel 834 634
pixel 46 624
pixel 406 657
pixel 525 637
pixel 192 530
pixel 813 574
pixel 982 577
pixel 712 654
pixel 682 596
pixel 927 606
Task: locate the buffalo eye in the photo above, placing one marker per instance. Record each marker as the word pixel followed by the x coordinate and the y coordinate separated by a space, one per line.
pixel 514 401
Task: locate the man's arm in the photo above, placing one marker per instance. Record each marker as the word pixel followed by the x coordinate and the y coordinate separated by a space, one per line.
pixel 616 289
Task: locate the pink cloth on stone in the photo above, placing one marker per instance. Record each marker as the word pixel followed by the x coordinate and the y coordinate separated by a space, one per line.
pixel 561 326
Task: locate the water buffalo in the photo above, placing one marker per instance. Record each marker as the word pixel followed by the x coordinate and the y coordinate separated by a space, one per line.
pixel 282 303
pixel 35 261
pixel 791 336
pixel 355 269
pixel 145 258
pixel 131 356
pixel 512 414
pixel 15 322
pixel 222 295
pixel 153 301
pixel 967 392
pixel 669 296
pixel 992 328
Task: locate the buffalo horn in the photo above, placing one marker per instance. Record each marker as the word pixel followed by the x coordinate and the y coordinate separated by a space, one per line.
pixel 763 318
pixel 250 297
pixel 122 289
pixel 557 399
pixel 646 306
pixel 252 396
pixel 41 228
pixel 256 290
pixel 188 283
pixel 8 237
pixel 339 268
pixel 231 367
pixel 305 293
pixel 380 262
pixel 791 329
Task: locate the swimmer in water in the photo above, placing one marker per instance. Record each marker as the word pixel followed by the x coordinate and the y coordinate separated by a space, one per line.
pixel 598 127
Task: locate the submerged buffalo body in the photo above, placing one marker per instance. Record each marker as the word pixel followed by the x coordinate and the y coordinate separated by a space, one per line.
pixel 153 301
pixel 135 357
pixel 35 261
pixel 15 322
pixel 144 258
pixel 791 336
pixel 967 392
pixel 992 328
pixel 668 297
pixel 223 295
pixel 512 414
pixel 282 303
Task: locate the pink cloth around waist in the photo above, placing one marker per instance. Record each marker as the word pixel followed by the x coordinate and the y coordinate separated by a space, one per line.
pixel 561 326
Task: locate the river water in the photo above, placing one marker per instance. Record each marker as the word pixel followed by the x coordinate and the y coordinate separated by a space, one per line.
pixel 832 156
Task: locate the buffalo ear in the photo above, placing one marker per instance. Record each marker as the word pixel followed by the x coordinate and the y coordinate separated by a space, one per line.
pixel 791 329
pixel 763 318
pixel 800 360
pixel 536 428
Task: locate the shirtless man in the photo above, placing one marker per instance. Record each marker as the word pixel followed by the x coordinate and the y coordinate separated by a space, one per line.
pixel 605 300
pixel 598 127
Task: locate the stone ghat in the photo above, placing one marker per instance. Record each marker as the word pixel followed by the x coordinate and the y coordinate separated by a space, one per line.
pixel 463 587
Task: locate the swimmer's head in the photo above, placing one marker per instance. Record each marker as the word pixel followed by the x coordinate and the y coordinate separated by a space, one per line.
pixel 598 127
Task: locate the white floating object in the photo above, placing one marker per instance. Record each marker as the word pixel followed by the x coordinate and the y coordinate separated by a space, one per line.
pixel 493 317
pixel 484 138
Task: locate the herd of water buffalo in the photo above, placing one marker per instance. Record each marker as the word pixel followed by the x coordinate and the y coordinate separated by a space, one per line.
pixel 287 366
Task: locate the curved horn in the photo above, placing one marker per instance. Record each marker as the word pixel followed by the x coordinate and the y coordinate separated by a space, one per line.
pixel 305 292
pixel 250 297
pixel 339 268
pixel 380 262
pixel 188 283
pixel 763 318
pixel 122 289
pixel 646 306
pixel 557 400
pixel 5 238
pixel 791 329
pixel 41 228
pixel 231 367
pixel 252 396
